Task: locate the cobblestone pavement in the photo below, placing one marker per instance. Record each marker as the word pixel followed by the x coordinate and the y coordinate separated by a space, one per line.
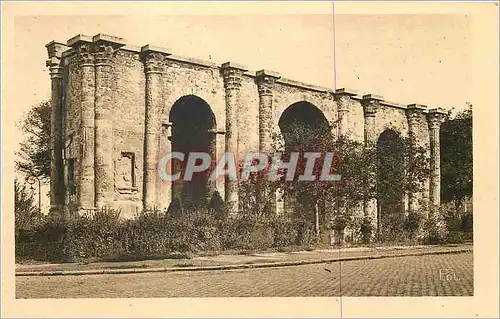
pixel 430 275
pixel 227 259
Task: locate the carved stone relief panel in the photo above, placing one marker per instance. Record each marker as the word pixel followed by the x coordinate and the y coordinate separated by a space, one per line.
pixel 125 173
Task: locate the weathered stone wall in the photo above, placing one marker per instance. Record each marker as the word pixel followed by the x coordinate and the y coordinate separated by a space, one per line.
pixel 130 92
pixel 248 117
pixel 288 93
pixel 72 89
pixel 391 118
pixel 354 119
pixel 128 105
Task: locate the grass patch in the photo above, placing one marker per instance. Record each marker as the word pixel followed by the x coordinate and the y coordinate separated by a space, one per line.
pixel 184 265
pixel 144 257
pixel 126 266
pixel 247 252
pixel 292 249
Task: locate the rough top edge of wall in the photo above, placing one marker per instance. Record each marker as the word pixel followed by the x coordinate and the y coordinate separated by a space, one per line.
pixel 393 104
pixel 359 97
pixel 299 84
pixel 193 61
pixel 251 74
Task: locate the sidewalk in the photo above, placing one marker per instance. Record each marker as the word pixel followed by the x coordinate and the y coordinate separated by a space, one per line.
pixel 227 262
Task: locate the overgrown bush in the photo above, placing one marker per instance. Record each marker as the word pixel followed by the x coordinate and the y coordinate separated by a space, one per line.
pixel 459 227
pixel 366 229
pixel 103 234
pixel 412 225
pixel 432 234
pixel 285 232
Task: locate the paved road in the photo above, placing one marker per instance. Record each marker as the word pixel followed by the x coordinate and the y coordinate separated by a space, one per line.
pixel 430 275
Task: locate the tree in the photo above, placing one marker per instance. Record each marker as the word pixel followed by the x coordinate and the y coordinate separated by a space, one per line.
pixel 456 156
pixel 402 167
pixel 35 154
pixel 26 212
pixel 341 201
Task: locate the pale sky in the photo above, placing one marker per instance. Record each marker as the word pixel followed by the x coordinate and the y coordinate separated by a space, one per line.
pixel 407 59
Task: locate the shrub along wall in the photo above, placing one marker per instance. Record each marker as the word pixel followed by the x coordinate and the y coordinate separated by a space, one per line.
pixel 103 234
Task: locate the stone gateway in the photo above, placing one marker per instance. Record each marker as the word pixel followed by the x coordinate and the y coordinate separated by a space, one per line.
pixel 117 109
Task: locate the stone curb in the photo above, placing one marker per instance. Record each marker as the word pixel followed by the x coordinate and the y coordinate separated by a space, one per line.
pixel 231 267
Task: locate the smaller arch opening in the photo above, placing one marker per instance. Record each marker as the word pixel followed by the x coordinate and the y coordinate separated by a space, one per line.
pixel 390 184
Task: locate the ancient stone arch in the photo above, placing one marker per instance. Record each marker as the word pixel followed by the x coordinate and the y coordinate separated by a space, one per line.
pixel 111 103
pixel 305 114
pixel 193 130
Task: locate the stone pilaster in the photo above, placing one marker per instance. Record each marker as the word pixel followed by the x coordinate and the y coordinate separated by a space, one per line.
pixel 416 123
pixel 435 118
pixel 153 67
pixel 104 50
pixel 82 48
pixel 164 188
pixel 265 84
pixel 211 186
pixel 55 50
pixel 370 104
pixel 343 98
pixel 232 74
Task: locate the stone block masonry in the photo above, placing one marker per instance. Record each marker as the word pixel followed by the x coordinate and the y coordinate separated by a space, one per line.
pixel 113 118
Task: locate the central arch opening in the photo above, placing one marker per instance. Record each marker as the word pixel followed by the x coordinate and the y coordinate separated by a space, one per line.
pixel 193 130
pixel 304 129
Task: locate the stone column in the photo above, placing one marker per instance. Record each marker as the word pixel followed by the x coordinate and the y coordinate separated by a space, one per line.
pixel 343 98
pixel 435 118
pixel 265 84
pixel 211 186
pixel 153 58
pixel 164 188
pixel 104 48
pixel 416 123
pixel 370 104
pixel 232 74
pixel 54 50
pixel 82 46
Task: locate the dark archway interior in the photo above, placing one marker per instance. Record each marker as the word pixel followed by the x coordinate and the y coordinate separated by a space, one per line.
pixel 303 126
pixel 192 121
pixel 305 129
pixel 390 179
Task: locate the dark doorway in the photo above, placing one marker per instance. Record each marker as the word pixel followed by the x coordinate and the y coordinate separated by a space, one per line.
pixel 193 126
